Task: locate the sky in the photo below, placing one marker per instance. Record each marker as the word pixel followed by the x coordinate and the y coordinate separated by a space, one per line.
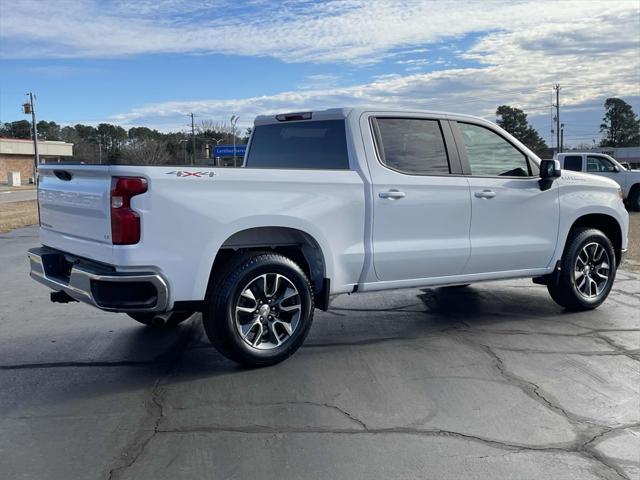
pixel 151 62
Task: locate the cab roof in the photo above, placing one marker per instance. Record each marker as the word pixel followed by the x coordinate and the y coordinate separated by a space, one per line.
pixel 345 112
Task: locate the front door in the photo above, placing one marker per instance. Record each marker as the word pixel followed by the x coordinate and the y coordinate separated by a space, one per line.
pixel 604 167
pixel 514 223
pixel 421 208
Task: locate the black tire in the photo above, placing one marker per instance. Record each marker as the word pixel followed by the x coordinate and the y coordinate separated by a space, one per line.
pixel 566 292
pixel 156 321
pixel 634 199
pixel 222 321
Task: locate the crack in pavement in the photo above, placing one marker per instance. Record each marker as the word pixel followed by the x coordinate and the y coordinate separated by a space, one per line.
pixel 579 448
pixel 34 366
pixel 585 429
pixel 617 347
pixel 623 353
pixel 234 403
pixel 155 410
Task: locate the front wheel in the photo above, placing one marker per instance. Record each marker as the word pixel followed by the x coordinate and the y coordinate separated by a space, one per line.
pixel 587 271
pixel 260 310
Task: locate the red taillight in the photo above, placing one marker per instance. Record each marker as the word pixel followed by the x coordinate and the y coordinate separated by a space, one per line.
pixel 125 223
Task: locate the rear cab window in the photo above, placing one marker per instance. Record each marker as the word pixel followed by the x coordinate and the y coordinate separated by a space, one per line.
pixel 573 162
pixel 320 145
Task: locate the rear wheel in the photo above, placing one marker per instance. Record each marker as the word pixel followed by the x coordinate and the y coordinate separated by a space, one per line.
pixel 587 272
pixel 164 320
pixel 260 310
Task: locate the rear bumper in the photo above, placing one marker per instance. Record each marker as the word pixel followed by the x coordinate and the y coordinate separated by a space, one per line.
pixel 97 284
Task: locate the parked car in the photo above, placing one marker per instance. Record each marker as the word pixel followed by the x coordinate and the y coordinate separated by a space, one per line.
pixel 327 202
pixel 605 166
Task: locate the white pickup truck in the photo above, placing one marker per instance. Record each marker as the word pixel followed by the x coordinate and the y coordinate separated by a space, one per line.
pixel 327 202
pixel 605 166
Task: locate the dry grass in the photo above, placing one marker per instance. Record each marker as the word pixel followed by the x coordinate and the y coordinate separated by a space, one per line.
pixel 17 214
pixel 632 261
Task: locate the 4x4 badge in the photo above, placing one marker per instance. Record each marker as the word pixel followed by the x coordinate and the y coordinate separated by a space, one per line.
pixel 186 173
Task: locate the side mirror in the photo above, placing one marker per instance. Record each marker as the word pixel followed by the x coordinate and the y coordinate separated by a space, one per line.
pixel 549 171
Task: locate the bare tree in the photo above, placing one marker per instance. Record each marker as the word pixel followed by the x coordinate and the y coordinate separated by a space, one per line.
pixel 210 127
pixel 581 147
pixel 146 152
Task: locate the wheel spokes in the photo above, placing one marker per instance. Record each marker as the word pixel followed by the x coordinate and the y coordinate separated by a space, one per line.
pixel 274 303
pixel 592 270
pixel 287 326
pixel 245 329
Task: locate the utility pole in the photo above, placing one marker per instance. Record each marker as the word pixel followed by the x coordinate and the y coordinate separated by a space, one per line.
pixel 29 108
pixel 184 149
pixel 234 120
pixel 193 139
pixel 561 136
pixel 557 87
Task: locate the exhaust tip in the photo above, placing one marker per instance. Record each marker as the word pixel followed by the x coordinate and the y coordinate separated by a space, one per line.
pixel 158 321
pixel 61 297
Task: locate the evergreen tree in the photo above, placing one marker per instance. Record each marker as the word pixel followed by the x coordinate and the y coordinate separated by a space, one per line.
pixel 514 121
pixel 619 124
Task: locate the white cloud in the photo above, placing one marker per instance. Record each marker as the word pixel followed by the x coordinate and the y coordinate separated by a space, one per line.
pixel 593 58
pixel 592 48
pixel 337 30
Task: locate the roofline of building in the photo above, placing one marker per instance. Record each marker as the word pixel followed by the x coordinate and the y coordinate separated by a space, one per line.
pixel 58 142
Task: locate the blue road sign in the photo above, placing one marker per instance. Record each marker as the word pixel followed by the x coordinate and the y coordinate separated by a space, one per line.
pixel 227 151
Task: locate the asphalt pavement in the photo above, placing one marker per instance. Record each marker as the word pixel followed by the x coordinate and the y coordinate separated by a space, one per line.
pixel 9 196
pixel 493 381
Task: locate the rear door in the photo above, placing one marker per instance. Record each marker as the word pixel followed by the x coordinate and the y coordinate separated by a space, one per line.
pixel 514 223
pixel 421 205
pixel 74 202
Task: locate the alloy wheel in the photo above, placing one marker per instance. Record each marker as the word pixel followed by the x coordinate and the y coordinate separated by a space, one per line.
pixel 592 270
pixel 267 311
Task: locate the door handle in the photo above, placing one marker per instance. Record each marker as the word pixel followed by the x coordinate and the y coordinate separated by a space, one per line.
pixel 392 194
pixel 485 194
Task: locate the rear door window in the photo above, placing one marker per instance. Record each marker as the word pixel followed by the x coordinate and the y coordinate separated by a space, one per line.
pixel 412 145
pixel 310 145
pixel 573 162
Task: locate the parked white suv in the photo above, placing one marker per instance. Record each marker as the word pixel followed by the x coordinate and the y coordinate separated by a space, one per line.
pixel 605 166
pixel 328 202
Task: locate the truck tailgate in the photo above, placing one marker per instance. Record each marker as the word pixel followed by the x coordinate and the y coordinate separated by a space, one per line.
pixel 75 210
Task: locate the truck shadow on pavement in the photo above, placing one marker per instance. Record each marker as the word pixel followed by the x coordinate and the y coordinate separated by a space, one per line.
pixel 139 356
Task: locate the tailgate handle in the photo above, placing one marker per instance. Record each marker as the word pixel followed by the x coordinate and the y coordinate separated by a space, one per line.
pixel 63 175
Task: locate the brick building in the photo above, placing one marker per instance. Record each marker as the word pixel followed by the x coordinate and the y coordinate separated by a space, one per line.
pixel 16 155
